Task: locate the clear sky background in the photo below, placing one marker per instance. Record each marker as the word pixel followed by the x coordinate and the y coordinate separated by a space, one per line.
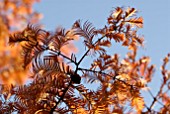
pixel 156 14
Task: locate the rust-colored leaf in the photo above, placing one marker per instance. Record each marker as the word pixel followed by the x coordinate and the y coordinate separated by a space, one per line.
pixel 135 22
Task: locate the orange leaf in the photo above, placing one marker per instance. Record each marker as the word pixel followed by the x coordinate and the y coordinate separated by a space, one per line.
pixel 138 103
pixel 106 43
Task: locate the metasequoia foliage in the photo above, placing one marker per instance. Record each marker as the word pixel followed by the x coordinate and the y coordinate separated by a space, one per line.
pixel 57 79
pixel 14 15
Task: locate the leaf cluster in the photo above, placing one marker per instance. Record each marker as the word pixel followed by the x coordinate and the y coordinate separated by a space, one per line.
pixel 57 79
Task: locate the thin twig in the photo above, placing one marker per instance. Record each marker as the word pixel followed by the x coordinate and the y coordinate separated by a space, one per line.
pixel 64 56
pixel 155 99
pixel 90 49
pixel 114 77
pixel 83 56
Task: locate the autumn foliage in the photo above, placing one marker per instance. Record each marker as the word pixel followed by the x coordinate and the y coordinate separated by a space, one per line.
pixel 60 83
pixel 14 15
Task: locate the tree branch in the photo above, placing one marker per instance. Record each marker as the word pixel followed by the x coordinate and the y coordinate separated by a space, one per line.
pixel 61 98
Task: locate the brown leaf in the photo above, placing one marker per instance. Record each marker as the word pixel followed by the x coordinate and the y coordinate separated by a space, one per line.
pixel 130 12
pixel 106 43
pixel 118 37
pixel 135 21
pixel 117 13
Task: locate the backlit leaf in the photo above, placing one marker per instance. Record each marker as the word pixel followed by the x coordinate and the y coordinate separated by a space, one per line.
pixel 138 103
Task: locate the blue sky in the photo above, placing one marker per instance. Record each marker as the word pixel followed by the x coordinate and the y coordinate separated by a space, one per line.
pixel 155 13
